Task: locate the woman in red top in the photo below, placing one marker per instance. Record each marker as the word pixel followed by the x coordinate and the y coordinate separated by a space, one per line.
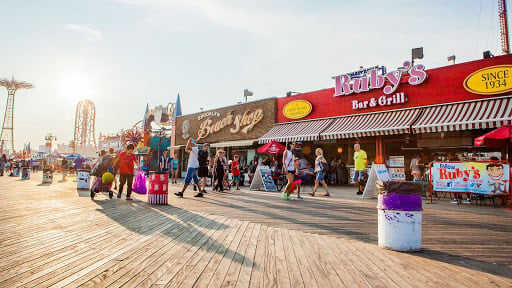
pixel 127 161
pixel 235 170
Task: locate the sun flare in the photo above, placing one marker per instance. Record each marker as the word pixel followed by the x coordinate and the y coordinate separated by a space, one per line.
pixel 74 87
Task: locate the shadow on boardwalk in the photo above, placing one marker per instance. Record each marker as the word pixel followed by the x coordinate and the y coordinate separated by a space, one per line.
pixel 180 223
pixel 336 214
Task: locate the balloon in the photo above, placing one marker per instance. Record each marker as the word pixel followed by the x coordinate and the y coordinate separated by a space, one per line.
pixel 107 178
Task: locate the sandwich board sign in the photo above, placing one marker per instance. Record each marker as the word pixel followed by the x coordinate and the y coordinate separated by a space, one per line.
pixel 263 180
pixel 378 172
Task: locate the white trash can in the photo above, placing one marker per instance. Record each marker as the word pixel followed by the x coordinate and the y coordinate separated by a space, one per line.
pixel 399 215
pixel 83 179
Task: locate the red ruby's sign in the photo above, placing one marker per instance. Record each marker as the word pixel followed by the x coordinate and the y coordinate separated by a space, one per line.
pixel 345 85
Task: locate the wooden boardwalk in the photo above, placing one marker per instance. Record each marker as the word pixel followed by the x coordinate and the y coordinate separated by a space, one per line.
pixel 56 236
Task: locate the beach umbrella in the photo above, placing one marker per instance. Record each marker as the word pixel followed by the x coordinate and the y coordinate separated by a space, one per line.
pixel 73 156
pixel 498 138
pixel 273 147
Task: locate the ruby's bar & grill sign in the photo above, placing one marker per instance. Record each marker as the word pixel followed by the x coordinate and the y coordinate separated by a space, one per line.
pixel 345 85
pixel 490 178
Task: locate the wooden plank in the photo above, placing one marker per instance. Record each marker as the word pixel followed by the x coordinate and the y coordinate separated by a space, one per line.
pixel 61 270
pixel 211 268
pixel 249 260
pixel 181 268
pixel 291 261
pixel 257 273
pixel 199 264
pixel 318 272
pixel 270 275
pixel 233 272
pixel 282 273
pixel 96 274
pixel 223 266
pixel 160 264
pixel 302 264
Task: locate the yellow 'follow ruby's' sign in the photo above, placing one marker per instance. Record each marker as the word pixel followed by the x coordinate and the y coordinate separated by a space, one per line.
pixel 297 109
pixel 490 80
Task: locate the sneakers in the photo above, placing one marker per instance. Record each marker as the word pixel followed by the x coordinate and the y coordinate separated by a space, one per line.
pixel 299 198
pixel 284 195
pixel 204 191
pixel 199 195
pixel 118 195
pixel 195 188
pixel 454 201
pixel 179 194
pixel 467 201
pixel 359 192
pixel 129 198
pixel 289 198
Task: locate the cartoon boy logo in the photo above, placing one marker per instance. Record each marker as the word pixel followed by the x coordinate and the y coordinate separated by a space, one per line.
pixel 496 173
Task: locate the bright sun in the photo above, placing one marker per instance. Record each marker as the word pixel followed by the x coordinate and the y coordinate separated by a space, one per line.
pixel 74 87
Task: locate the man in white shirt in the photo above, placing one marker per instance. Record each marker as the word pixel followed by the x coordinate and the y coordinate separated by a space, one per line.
pixel 193 164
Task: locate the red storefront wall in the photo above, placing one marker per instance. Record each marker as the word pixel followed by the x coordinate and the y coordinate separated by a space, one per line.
pixel 443 85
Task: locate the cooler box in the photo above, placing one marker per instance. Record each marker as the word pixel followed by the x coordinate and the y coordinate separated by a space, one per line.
pixel 158 187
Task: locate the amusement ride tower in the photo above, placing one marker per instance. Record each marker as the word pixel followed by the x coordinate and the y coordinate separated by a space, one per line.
pixel 7 134
pixel 85 120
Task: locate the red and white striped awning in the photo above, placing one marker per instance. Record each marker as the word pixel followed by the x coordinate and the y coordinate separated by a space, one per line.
pixel 373 124
pixel 296 131
pixel 466 115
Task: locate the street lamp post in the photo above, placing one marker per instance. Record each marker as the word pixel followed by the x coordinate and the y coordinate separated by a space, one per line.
pixel 49 138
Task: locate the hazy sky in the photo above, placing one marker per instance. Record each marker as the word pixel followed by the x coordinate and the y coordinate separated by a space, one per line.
pixel 122 54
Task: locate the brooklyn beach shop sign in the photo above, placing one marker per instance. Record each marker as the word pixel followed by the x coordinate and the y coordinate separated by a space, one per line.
pixel 346 85
pixel 238 123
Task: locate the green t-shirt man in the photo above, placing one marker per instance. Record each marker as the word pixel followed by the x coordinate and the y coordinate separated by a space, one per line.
pixel 359 158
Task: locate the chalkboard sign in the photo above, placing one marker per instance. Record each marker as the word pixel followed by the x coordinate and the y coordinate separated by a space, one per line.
pixel 263 179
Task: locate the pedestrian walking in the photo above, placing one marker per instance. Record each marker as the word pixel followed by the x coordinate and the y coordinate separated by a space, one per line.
pixel 204 161
pixel 3 161
pixel 321 167
pixel 127 161
pixel 193 164
pixel 235 171
pixel 64 166
pixel 360 161
pixel 289 169
pixel 218 169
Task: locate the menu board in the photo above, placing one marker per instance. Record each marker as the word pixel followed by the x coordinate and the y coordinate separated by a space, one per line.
pixel 263 180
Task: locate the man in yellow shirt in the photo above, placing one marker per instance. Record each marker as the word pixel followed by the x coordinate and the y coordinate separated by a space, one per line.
pixel 360 160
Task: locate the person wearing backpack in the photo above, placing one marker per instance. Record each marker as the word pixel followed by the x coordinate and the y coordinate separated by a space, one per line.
pixel 321 167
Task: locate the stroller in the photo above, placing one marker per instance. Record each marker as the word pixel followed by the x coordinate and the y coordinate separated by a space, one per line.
pixel 104 165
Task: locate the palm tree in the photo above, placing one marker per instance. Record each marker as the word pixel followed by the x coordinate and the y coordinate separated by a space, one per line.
pixel 7 134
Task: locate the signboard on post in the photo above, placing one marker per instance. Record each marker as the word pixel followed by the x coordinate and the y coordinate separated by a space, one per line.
pixel 263 180
pixel 491 178
pixel 378 172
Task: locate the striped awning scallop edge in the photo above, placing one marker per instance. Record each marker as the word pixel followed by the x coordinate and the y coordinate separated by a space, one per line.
pixel 479 114
pixel 296 131
pixel 372 124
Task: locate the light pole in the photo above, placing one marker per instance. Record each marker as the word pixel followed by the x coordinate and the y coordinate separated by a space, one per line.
pixel 451 58
pixel 247 93
pixel 49 138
